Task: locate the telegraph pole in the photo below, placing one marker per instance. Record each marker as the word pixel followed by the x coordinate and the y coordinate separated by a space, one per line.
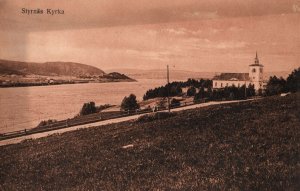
pixel 245 90
pixel 168 89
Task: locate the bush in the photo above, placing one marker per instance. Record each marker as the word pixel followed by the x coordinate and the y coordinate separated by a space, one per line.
pixel 175 102
pixel 162 103
pixel 88 108
pixel 102 107
pixel 129 103
pixel 155 116
pixel 46 122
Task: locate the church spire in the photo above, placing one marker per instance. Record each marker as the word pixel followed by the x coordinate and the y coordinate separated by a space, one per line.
pixel 256 59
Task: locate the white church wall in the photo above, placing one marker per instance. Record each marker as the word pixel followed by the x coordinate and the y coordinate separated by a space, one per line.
pixel 227 83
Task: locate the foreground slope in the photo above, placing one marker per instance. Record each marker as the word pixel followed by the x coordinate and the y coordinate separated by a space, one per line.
pixel 245 146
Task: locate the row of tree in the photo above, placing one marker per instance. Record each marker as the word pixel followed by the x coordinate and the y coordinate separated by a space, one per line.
pixel 175 88
pixel 130 103
pixel 202 83
pixel 172 89
pixel 226 93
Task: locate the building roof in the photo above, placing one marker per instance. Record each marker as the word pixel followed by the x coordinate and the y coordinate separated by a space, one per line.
pixel 232 77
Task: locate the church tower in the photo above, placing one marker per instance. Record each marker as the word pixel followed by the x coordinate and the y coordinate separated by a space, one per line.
pixel 256 73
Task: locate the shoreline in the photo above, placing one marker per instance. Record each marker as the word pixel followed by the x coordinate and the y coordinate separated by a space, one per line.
pixel 19 85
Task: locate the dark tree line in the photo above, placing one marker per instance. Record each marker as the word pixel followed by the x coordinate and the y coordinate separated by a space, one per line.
pixel 198 83
pixel 277 85
pixel 175 88
pixel 172 89
pixel 228 93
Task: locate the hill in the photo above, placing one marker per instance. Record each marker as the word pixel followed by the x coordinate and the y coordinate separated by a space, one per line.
pixel 48 69
pixel 23 74
pixel 116 75
pixel 242 146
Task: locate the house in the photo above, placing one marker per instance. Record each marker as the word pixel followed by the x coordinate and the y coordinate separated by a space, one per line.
pixel 254 77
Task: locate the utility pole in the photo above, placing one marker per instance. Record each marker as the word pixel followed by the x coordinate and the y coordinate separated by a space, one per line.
pixel 245 90
pixel 168 89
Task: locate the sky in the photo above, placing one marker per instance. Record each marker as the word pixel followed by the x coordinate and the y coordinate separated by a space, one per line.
pixel 194 35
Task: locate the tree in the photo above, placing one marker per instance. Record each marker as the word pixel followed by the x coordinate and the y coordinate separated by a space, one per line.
pixel 129 103
pixel 88 108
pixel 250 90
pixel 293 81
pixel 276 86
pixel 162 92
pixel 207 84
pixel 209 92
pixel 175 90
pixel 191 91
pixel 241 92
pixel 200 95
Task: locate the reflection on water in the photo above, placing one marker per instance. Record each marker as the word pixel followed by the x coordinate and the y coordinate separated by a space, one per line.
pixel 25 107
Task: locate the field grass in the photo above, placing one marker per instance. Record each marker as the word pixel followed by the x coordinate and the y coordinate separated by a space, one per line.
pixel 242 146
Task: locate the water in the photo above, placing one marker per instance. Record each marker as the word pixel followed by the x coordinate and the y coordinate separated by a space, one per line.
pixel 25 107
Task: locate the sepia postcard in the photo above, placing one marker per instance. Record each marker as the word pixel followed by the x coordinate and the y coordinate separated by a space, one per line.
pixel 149 95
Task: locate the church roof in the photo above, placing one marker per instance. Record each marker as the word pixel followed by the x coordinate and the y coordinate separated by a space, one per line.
pixel 232 77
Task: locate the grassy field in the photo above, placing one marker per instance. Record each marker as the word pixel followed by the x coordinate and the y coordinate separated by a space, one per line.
pixel 246 146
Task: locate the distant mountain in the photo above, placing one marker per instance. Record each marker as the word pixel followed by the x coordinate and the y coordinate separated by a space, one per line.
pixel 162 74
pixel 48 69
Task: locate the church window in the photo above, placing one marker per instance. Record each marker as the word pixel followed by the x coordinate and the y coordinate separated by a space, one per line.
pixel 261 70
pixel 216 84
pixel 253 70
pixel 221 84
pixel 238 84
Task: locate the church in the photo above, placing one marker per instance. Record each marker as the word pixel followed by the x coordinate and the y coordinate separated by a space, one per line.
pixel 254 77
